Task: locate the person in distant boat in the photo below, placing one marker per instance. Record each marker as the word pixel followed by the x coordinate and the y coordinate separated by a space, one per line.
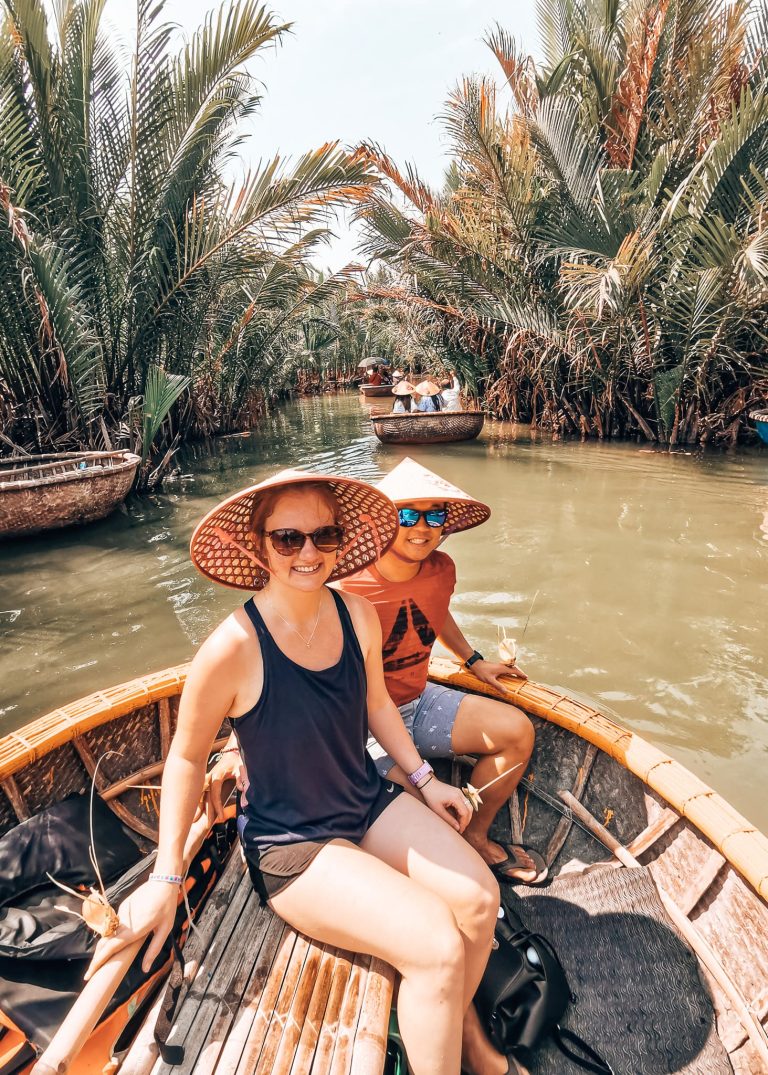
pixel 403 392
pixel 450 392
pixel 374 377
pixel 427 397
pixel 410 587
pixel 337 852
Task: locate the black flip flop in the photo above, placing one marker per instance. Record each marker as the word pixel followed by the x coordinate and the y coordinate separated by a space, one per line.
pixel 514 862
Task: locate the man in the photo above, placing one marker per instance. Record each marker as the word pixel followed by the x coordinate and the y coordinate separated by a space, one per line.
pixel 411 587
pixel 374 377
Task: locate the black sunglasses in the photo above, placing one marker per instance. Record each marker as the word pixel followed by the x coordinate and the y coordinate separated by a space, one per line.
pixel 287 542
pixel 433 517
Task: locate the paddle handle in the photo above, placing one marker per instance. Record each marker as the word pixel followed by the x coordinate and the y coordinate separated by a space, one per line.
pixel 85 1013
pixel 754 1029
pixel 99 989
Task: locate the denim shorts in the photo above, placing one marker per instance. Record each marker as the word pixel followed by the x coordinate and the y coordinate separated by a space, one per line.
pixel 429 719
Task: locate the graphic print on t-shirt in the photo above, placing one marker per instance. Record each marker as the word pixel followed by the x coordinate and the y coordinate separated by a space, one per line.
pixel 408 613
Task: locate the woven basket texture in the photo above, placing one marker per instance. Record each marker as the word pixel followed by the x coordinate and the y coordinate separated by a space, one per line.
pixel 369 520
pixel 438 427
pixel 57 490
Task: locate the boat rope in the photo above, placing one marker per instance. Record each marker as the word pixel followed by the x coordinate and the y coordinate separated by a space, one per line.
pixel 557 805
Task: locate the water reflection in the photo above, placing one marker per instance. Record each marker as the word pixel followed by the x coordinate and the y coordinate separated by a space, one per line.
pixel 651 570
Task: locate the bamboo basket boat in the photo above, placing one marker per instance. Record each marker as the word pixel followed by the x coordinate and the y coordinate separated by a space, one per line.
pixel 709 864
pixel 430 427
pixel 374 391
pixel 46 492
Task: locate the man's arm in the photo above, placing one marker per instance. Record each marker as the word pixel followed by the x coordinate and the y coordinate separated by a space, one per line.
pixel 452 638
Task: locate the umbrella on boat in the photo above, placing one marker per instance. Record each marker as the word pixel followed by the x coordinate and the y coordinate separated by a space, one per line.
pixel 373 360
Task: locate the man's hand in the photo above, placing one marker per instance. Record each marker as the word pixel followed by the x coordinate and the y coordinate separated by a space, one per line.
pixel 489 672
pixel 228 767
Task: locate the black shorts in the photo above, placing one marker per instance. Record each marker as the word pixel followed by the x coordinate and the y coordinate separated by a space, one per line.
pixel 273 868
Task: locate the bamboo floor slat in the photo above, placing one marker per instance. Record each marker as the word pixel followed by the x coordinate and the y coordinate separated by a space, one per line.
pixel 260 999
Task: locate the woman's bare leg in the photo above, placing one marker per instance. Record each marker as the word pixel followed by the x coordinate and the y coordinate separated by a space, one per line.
pixel 350 899
pixel 411 838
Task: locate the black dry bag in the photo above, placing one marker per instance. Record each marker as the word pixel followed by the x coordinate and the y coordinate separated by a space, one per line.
pixel 524 994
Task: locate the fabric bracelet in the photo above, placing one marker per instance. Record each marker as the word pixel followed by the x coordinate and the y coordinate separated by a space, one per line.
pixel 169 878
pixel 420 786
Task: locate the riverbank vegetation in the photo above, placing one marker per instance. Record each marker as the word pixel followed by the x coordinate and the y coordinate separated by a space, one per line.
pixel 597 260
pixel 145 296
pixel 595 263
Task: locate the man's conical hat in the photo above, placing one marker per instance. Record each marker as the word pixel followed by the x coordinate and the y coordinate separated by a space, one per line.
pixel 411 481
pixel 222 545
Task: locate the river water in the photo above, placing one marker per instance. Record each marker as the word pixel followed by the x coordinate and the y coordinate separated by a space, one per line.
pixel 651 571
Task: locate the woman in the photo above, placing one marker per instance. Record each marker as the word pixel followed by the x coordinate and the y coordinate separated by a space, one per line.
pixel 338 853
pixel 403 390
pixel 427 397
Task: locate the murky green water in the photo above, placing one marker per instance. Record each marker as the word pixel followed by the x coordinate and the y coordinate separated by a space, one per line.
pixel 651 572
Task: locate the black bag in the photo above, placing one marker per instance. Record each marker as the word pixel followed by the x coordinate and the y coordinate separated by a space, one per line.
pixel 524 994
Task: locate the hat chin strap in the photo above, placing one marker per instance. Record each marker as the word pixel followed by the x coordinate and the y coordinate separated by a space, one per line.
pixel 226 538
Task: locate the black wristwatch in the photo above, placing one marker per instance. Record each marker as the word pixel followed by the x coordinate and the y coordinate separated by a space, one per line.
pixel 473 659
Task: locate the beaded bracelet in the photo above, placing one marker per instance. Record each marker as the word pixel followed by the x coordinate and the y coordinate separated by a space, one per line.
pixel 169 878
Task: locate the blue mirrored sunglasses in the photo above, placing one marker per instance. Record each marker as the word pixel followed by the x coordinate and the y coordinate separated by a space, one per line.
pixel 433 517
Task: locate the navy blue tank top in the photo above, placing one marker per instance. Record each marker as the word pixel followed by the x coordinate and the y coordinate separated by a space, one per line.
pixel 303 745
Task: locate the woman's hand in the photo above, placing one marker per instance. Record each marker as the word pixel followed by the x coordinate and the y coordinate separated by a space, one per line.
pixel 151 908
pixel 489 672
pixel 447 802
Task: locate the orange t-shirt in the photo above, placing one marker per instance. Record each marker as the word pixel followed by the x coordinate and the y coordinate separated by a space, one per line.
pixel 412 615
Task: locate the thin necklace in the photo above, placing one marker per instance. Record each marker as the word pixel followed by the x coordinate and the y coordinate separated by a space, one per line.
pixel 307 641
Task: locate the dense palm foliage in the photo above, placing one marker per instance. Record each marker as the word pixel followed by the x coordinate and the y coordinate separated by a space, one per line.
pixel 598 257
pixel 134 277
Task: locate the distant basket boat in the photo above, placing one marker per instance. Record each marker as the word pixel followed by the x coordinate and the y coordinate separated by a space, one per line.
pixel 371 391
pixel 760 418
pixel 431 427
pixel 46 492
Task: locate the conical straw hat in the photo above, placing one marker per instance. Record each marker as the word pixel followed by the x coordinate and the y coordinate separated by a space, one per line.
pixel 411 481
pixel 428 388
pixel 403 388
pixel 222 546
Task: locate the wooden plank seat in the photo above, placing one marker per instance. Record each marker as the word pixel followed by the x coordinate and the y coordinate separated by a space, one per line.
pixel 258 998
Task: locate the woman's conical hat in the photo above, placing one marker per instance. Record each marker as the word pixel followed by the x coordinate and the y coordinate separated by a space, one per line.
pixel 222 545
pixel 428 388
pixel 403 388
pixel 411 481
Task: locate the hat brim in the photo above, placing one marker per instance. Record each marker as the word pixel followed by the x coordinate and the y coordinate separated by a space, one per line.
pixel 222 546
pixel 410 482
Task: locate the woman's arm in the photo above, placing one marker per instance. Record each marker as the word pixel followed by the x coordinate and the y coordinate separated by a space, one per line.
pixel 386 724
pixel 206 700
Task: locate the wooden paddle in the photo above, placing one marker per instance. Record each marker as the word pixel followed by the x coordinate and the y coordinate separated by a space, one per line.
pixel 98 991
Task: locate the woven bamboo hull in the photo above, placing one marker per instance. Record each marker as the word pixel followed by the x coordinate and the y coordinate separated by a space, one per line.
pixel 373 391
pixel 708 857
pixel 60 490
pixel 440 427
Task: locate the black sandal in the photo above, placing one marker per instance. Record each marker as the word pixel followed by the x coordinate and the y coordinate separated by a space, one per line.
pixel 514 861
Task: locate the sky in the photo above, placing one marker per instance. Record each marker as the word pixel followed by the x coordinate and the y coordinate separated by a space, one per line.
pixel 354 70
